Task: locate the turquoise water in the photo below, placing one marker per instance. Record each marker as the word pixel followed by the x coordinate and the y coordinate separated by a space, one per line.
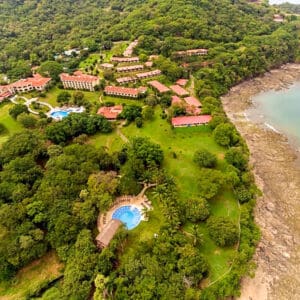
pixel 128 215
pixel 60 114
pixel 280 109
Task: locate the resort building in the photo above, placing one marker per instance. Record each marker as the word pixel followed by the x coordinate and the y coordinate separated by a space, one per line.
pixel 182 82
pixel 177 89
pixel 148 74
pixel 130 68
pixel 107 66
pixel 192 52
pixel 187 121
pixel 124 91
pixel 278 18
pixel 37 82
pixel 124 80
pixel 176 100
pixel 149 64
pixel 161 88
pixel 193 105
pixel 125 59
pixel 105 236
pixel 4 93
pixel 110 113
pixel 79 81
pixel 129 50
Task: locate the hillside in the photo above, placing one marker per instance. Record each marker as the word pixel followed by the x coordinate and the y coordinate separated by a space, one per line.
pixel 61 179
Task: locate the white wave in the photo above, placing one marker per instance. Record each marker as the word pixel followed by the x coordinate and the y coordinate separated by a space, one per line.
pixel 271 127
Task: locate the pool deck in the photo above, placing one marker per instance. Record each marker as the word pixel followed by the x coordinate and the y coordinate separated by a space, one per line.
pixel 140 201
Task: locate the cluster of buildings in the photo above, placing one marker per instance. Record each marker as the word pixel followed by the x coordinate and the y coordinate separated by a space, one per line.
pixel 138 76
pixel 37 83
pixel 192 52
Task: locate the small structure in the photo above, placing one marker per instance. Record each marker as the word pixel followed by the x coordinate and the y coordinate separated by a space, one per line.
pixel 124 80
pixel 110 113
pixel 4 95
pixel 129 50
pixel 187 121
pixel 71 52
pixel 161 88
pixel 192 101
pixel 176 100
pixel 117 59
pixel 124 91
pixel 148 74
pixel 79 81
pixel 177 89
pixel 149 64
pixel 278 18
pixel 182 82
pixel 130 68
pixel 192 52
pixel 107 66
pixel 105 236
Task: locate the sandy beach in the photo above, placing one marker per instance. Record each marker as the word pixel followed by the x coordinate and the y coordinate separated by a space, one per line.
pixel 276 166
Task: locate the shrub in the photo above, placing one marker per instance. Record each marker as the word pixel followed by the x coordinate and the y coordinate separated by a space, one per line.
pixel 17 110
pixel 205 159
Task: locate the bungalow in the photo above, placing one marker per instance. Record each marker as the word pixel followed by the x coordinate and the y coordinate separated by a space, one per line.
pixel 37 82
pixel 187 121
pixel 107 66
pixel 177 89
pixel 161 88
pixel 130 68
pixel 110 113
pixel 193 105
pixel 278 18
pixel 182 82
pixel 176 100
pixel 149 64
pixel 79 81
pixel 124 91
pixel 105 236
pixel 148 74
pixel 129 50
pixel 192 52
pixel 124 80
pixel 133 59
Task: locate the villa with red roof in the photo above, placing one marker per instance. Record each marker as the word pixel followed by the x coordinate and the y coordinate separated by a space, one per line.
pixel 37 82
pixel 192 52
pixel 192 101
pixel 110 113
pixel 186 121
pixel 4 93
pixel 79 81
pixel 130 68
pixel 124 91
pixel 177 89
pixel 124 80
pixel 161 88
pixel 176 100
pixel 148 74
pixel 182 82
pixel 125 59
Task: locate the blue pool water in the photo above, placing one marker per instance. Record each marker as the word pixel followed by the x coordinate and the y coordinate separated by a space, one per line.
pixel 60 114
pixel 129 215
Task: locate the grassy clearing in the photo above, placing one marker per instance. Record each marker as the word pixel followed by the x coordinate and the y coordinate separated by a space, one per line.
pixel 89 61
pixel 11 125
pixel 30 278
pixel 179 146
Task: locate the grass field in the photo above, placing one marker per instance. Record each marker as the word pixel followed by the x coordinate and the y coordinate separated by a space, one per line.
pixel 31 278
pixel 11 125
pixel 179 146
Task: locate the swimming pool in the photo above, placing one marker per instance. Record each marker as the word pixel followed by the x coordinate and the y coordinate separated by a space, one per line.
pixel 60 114
pixel 129 215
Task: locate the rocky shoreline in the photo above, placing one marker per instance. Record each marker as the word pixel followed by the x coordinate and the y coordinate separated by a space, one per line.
pixel 277 172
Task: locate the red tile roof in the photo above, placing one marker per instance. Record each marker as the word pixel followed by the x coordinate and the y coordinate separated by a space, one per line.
pixel 176 100
pixel 159 86
pixel 182 82
pixel 78 76
pixel 130 68
pixel 36 81
pixel 124 59
pixel 148 74
pixel 191 120
pixel 5 95
pixel 192 101
pixel 179 90
pixel 124 90
pixel 111 112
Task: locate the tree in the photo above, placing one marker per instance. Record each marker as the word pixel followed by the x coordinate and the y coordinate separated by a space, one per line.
pixel 100 283
pixel 27 120
pixel 18 109
pixel 63 97
pixel 52 69
pixel 237 158
pixel 131 112
pixel 148 113
pixel 78 98
pixel 223 231
pixel 243 194
pixel 138 122
pixel 197 210
pixel 226 135
pixel 205 159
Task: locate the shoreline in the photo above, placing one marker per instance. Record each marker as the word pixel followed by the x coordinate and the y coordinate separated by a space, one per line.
pixel 275 163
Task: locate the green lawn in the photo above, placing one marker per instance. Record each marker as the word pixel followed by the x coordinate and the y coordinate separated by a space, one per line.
pixel 31 278
pixel 89 60
pixel 183 142
pixel 10 124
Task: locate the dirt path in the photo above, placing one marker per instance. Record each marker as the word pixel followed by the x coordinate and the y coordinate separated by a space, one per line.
pixel 120 133
pixel 277 174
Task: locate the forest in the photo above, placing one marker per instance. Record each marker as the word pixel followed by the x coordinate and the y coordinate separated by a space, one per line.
pixel 56 177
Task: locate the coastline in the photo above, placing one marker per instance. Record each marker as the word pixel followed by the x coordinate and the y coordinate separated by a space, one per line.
pixel 275 163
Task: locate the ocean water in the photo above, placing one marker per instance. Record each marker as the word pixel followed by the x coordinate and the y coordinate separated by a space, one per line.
pixel 279 111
